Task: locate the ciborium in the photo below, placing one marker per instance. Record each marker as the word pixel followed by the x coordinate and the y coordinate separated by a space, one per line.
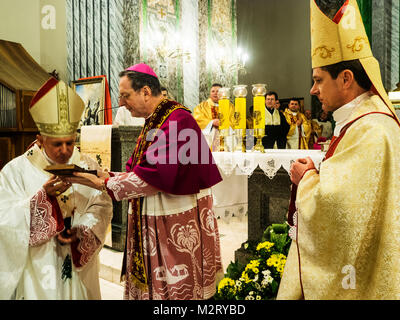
pixel 240 93
pixel 259 91
pixel 223 115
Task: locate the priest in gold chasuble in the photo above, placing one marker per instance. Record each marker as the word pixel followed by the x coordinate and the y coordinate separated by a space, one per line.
pixel 346 216
pixel 207 116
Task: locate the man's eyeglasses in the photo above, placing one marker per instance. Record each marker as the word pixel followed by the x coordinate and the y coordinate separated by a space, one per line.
pixel 124 96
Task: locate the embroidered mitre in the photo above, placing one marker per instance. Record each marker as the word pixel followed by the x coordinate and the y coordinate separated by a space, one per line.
pixel 343 38
pixel 56 109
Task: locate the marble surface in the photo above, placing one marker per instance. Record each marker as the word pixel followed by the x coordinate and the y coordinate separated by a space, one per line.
pixel 95 41
pixel 385 40
pixel 106 36
pixel 131 27
pixel 190 30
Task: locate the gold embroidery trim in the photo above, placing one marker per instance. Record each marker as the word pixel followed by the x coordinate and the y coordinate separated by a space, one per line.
pixel 357 45
pixel 64 126
pixel 325 52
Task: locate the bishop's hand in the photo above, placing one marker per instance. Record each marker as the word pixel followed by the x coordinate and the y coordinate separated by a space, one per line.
pixel 56 186
pixel 68 236
pixel 87 179
pixel 299 168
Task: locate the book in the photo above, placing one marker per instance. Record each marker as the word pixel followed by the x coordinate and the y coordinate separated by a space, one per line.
pixel 67 170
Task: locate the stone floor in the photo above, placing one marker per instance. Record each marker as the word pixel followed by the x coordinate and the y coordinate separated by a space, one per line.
pixel 232 234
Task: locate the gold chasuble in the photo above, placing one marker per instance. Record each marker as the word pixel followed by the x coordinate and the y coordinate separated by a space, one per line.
pixel 298 135
pixel 347 224
pixel 347 230
pixel 207 111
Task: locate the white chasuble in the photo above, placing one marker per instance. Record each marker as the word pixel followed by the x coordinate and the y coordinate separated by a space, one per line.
pixel 348 222
pixel 33 264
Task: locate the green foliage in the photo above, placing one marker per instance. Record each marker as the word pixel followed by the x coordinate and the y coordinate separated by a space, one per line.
pixel 278 234
pixel 259 279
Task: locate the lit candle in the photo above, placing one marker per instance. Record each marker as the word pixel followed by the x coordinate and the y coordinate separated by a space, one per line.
pixel 259 91
pixel 224 114
pixel 240 109
pixel 240 93
pixel 223 108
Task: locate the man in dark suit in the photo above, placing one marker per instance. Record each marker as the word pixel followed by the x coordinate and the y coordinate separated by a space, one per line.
pixel 276 126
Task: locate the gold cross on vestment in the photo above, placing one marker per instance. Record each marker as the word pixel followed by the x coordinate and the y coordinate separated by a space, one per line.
pixel 162 13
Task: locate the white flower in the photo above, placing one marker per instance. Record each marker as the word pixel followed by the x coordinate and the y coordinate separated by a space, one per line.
pixel 258 298
pixel 251 293
pixel 269 279
pixel 256 278
pixel 266 273
pixel 249 298
pixel 264 283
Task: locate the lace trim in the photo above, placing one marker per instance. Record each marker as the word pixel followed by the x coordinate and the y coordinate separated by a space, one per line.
pixel 127 186
pixel 293 229
pixel 269 163
pixel 88 244
pixel 43 224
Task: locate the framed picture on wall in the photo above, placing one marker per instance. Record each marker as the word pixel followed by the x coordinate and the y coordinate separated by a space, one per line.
pixel 92 92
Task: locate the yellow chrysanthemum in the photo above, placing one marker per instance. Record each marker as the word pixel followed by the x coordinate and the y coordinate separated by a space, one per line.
pixel 227 282
pixel 253 266
pixel 271 261
pixel 245 277
pixel 264 245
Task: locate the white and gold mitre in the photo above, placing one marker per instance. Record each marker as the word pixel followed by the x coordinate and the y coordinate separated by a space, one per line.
pixel 343 38
pixel 56 109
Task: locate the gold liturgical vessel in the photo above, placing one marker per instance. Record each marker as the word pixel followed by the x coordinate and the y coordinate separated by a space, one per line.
pixel 259 91
pixel 240 93
pixel 223 115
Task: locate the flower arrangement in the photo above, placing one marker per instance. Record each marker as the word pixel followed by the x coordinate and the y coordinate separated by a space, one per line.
pixel 259 279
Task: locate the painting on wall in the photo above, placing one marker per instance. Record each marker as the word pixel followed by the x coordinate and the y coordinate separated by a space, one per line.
pixel 160 43
pixel 92 93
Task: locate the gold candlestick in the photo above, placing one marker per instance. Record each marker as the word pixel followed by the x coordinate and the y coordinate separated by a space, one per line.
pixel 259 91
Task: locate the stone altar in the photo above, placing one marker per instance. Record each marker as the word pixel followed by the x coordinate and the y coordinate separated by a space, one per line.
pixel 123 142
pixel 268 203
pixel 268 185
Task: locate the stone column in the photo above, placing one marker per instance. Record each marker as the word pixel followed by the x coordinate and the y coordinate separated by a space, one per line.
pixel 385 40
pixel 190 43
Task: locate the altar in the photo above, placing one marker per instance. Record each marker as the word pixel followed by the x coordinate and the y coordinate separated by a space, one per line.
pixel 256 184
pixel 263 180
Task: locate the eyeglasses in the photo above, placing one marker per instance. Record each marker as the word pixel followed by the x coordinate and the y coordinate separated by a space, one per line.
pixel 124 96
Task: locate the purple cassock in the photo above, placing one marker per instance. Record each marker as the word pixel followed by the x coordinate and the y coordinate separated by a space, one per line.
pixel 179 160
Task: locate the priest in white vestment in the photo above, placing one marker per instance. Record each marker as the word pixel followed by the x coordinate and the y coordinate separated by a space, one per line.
pixel 50 231
pixel 124 118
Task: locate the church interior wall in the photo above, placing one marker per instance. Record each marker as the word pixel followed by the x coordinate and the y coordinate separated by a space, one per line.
pixel 20 22
pixel 41 32
pixel 191 43
pixel 277 35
